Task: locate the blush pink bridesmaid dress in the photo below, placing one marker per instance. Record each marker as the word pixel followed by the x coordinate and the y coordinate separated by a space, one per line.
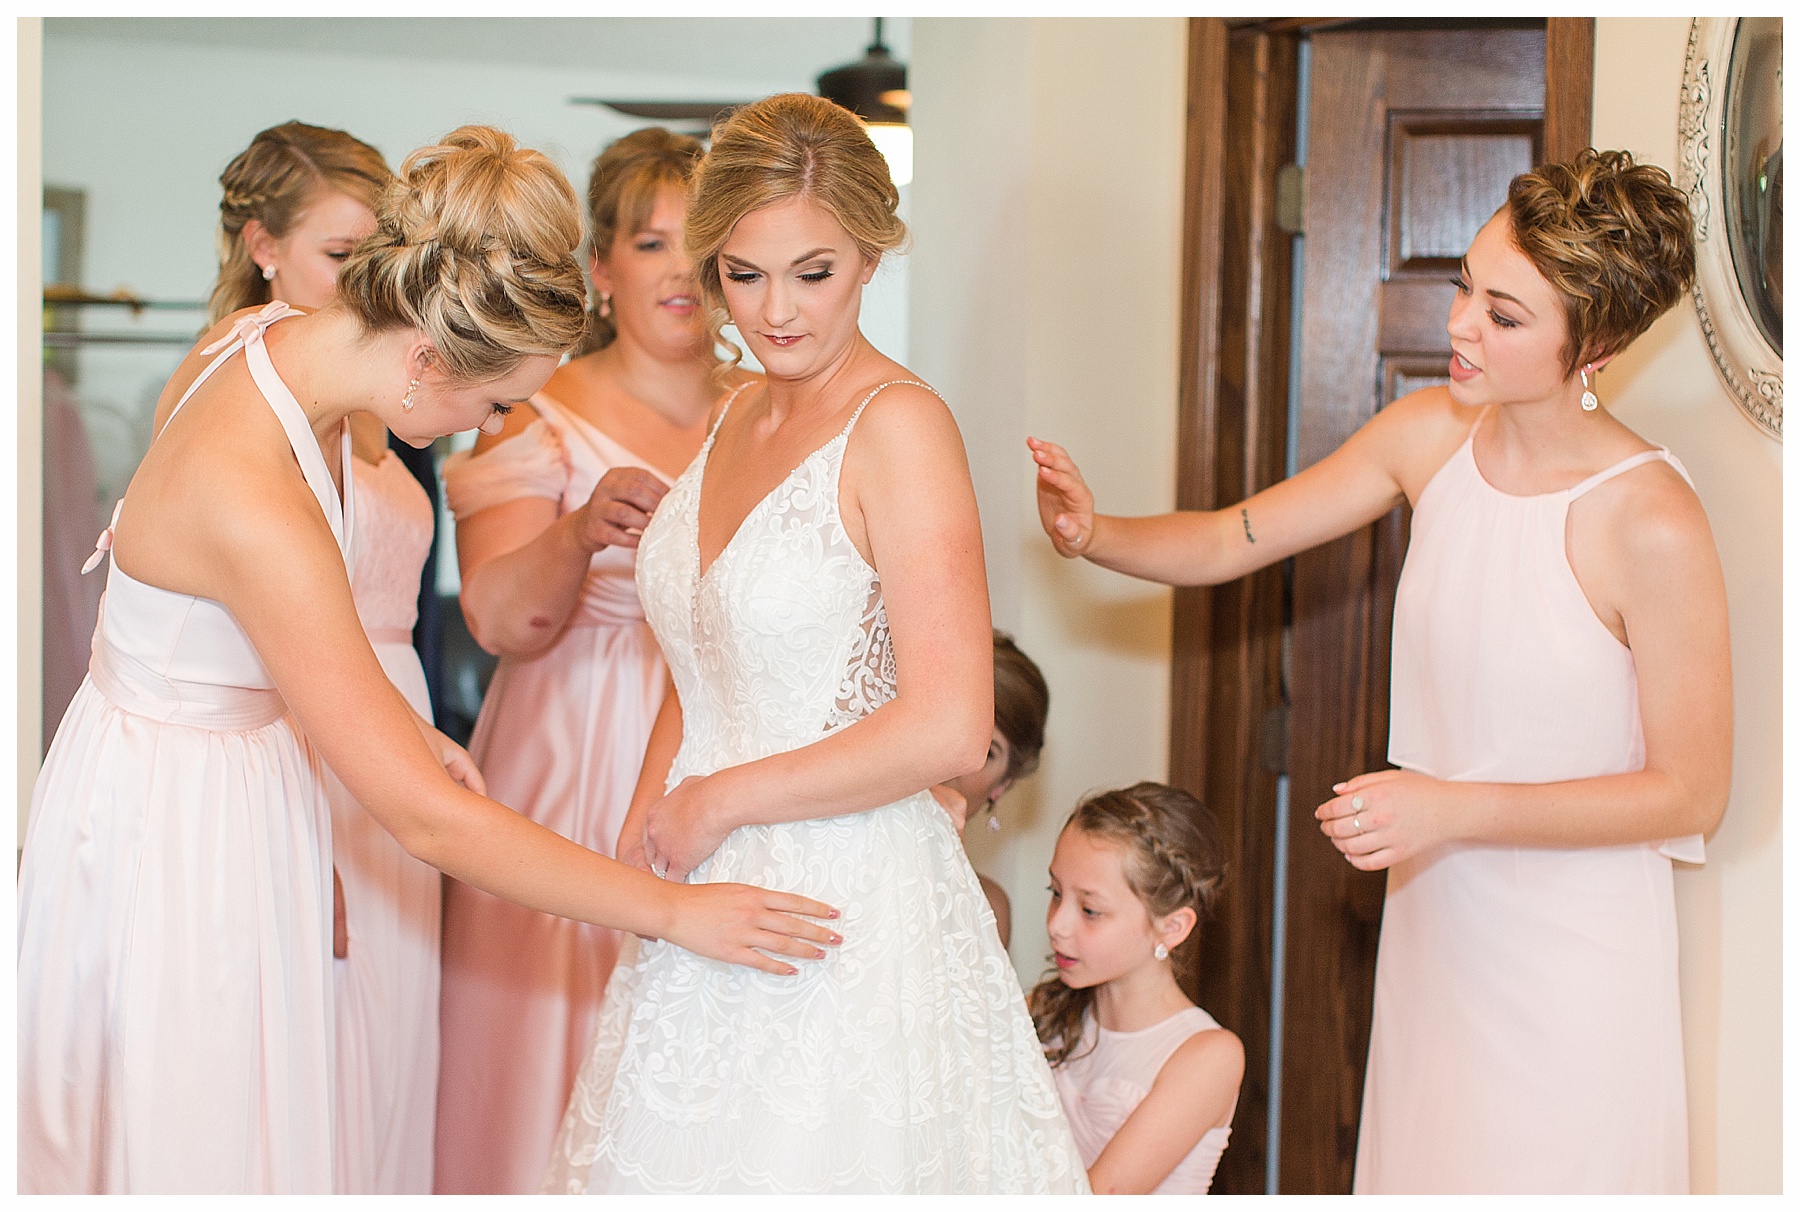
pixel 1527 1019
pixel 174 978
pixel 387 984
pixel 561 739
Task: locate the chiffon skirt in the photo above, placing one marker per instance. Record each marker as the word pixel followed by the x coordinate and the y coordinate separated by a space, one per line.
pixel 174 955
pixel 387 988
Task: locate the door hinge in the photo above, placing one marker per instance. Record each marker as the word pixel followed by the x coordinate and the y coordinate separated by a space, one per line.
pixel 1290 199
pixel 1274 739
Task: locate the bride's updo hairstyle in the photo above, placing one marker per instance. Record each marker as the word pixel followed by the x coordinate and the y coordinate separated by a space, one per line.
pixel 474 244
pixel 788 146
pixel 1614 238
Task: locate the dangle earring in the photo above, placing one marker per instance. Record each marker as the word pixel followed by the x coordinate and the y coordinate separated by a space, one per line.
pixel 406 400
pixel 1589 401
pixel 268 273
pixel 1161 952
pixel 993 825
pixel 605 306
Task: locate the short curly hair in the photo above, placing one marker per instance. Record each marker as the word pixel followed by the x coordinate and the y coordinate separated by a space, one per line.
pixel 1613 237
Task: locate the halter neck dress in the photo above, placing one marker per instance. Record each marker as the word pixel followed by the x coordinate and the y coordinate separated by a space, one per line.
pixel 560 739
pixel 1527 1016
pixel 174 995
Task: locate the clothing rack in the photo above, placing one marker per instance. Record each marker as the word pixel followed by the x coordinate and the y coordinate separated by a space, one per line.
pixel 58 298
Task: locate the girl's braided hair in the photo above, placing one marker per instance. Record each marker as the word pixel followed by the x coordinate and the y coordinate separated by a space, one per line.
pixel 1173 858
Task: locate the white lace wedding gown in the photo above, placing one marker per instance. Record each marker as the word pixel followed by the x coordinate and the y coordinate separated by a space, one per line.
pixel 905 1060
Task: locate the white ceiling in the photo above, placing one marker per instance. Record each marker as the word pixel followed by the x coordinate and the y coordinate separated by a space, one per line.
pixel 729 48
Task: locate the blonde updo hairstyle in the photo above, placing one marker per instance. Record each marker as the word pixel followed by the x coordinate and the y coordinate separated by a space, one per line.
pixel 1613 237
pixel 474 244
pixel 273 181
pixel 1174 857
pixel 622 190
pixel 790 145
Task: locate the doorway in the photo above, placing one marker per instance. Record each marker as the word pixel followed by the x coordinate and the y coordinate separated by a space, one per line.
pixel 1337 169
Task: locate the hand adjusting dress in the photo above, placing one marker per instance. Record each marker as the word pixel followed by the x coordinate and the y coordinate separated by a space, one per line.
pixel 905 1060
pixel 1527 1018
pixel 175 996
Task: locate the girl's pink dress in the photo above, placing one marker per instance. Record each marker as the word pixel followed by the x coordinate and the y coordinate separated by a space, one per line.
pixel 1527 1022
pixel 561 739
pixel 1111 1072
pixel 175 1016
pixel 387 984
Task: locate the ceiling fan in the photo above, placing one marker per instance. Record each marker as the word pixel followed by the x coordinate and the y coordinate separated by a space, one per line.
pixel 873 88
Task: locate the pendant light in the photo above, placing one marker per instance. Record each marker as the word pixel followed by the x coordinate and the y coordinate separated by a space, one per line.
pixel 874 89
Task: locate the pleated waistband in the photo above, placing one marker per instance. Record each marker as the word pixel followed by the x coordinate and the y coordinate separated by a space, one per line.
pixel 130 686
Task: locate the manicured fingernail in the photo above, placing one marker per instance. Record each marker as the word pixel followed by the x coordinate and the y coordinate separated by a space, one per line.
pixel 834 913
pixel 1339 787
pixel 836 939
pixel 793 971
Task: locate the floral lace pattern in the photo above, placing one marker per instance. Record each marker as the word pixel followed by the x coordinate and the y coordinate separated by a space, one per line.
pixel 905 1060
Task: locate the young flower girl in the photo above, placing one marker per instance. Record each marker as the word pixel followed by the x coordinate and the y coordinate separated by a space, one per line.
pixel 1148 1079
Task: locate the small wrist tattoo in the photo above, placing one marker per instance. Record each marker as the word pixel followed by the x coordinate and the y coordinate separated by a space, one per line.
pixel 1247 534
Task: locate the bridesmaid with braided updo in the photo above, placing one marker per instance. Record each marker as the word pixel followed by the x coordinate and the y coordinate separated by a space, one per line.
pixel 175 1001
pixel 296 202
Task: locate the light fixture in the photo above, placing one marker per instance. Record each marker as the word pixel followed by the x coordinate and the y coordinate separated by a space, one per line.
pixel 874 89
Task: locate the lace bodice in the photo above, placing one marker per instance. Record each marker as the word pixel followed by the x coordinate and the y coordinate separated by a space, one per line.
pixel 783 639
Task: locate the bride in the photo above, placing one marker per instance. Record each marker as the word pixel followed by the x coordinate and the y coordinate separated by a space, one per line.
pixel 815 579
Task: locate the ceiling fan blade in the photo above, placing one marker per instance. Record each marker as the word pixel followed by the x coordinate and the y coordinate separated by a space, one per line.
pixel 666 111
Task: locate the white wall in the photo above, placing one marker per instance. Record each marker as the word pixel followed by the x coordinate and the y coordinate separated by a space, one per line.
pixel 1666 388
pixel 1047 220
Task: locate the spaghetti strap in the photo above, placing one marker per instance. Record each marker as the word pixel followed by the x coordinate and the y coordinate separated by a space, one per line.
pixel 877 390
pixel 1624 465
pixel 723 409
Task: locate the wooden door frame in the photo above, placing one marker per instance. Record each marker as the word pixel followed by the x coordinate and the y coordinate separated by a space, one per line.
pixel 1227 730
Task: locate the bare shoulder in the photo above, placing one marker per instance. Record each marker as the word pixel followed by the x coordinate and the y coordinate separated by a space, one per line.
pixel 1654 517
pixel 907 411
pixel 1413 436
pixel 738 383
pixel 1204 1062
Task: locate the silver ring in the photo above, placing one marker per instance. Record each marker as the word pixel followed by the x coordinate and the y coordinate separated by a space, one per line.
pixel 661 873
pixel 1356 823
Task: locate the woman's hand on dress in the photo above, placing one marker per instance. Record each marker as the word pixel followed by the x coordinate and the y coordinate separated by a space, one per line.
pixel 620 508
pixel 737 923
pixel 1065 503
pixel 681 830
pixel 953 802
pixel 455 759
pixel 1386 816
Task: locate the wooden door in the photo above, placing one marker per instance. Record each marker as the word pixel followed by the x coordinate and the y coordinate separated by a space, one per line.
pixel 1413 136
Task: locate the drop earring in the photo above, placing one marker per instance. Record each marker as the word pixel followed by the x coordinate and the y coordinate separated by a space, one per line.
pixel 1589 401
pixel 268 273
pixel 605 306
pixel 1161 952
pixel 406 401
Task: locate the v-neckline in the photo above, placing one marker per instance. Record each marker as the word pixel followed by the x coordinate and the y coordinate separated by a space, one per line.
pixel 700 498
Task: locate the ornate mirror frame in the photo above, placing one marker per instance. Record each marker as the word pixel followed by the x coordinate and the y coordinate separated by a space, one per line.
pixel 1711 153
